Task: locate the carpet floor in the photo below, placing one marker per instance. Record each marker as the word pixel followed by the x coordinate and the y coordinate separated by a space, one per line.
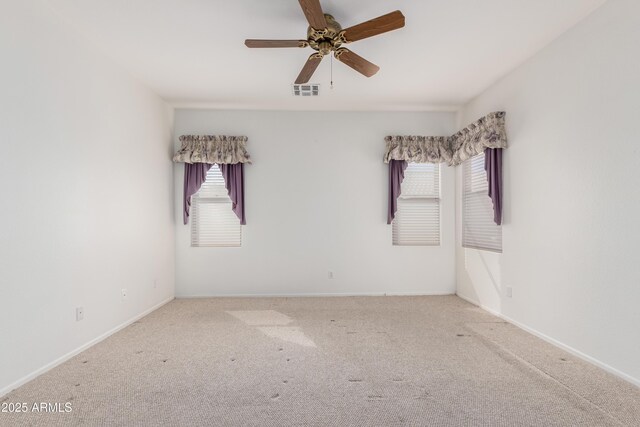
pixel 344 361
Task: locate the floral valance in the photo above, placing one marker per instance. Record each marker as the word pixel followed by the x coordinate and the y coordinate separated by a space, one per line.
pixel 417 149
pixel 211 149
pixel 487 132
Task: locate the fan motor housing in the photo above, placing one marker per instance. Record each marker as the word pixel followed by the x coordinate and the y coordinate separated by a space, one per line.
pixel 326 39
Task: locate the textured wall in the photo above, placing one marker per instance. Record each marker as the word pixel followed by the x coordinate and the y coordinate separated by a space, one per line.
pixel 316 201
pixel 87 195
pixel 571 203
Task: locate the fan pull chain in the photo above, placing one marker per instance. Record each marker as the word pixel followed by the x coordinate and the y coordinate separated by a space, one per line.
pixel 331 87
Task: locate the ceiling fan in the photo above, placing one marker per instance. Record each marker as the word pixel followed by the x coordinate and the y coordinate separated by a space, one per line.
pixel 325 35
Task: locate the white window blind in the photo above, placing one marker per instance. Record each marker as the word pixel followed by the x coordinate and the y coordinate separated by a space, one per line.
pixel 478 229
pixel 417 221
pixel 213 222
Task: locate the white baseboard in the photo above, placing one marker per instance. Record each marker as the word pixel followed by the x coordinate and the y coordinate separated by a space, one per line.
pixel 485 308
pixel 78 350
pixel 553 341
pixel 313 295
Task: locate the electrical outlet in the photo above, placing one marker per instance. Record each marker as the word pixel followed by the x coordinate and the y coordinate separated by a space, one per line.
pixel 509 291
pixel 330 275
pixel 124 294
pixel 155 283
pixel 79 314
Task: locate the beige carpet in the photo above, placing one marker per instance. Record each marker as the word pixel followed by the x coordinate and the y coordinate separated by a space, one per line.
pixel 356 361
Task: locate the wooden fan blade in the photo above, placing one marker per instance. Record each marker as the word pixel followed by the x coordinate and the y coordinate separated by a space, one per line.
pixel 309 68
pixel 381 24
pixel 275 43
pixel 313 11
pixel 356 62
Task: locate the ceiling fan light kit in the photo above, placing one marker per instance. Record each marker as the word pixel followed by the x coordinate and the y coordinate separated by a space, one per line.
pixel 325 35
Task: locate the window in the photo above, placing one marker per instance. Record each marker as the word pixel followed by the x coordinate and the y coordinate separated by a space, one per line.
pixel 213 222
pixel 417 221
pixel 478 229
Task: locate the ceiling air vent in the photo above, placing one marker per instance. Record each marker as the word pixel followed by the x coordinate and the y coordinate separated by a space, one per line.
pixel 309 89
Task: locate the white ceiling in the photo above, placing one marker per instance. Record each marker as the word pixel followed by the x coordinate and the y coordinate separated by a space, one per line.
pixel 192 53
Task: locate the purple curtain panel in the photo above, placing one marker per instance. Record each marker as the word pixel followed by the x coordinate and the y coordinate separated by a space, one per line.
pixel 396 175
pixel 493 167
pixel 234 182
pixel 195 175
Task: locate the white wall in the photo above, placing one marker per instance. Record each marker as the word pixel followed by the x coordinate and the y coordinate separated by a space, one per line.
pixel 316 200
pixel 571 199
pixel 86 193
